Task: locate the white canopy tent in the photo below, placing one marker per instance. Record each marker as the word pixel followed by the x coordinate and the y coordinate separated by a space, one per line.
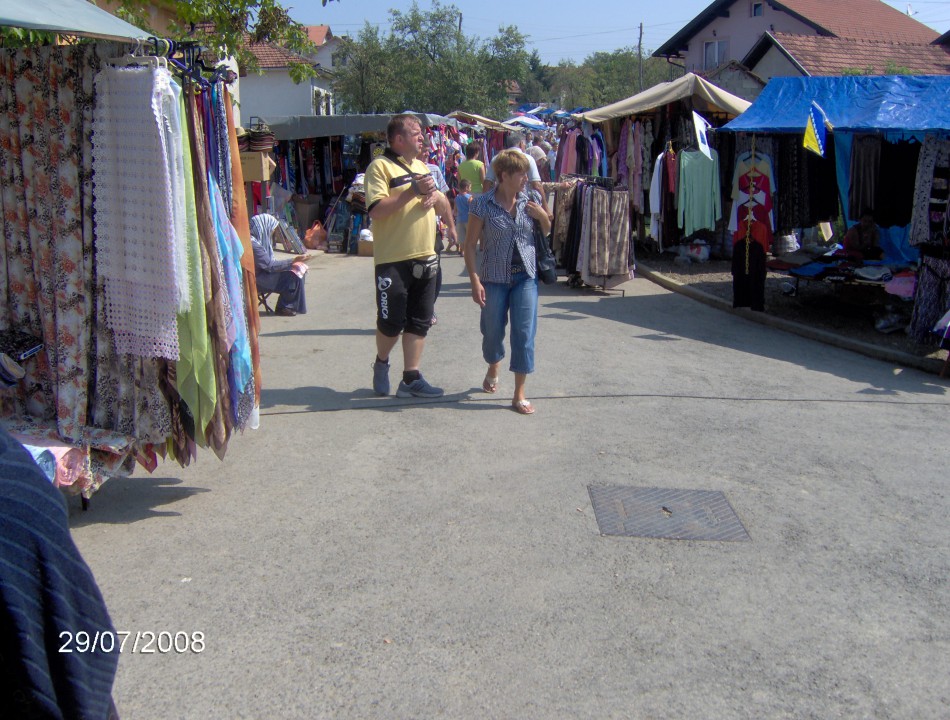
pixel 706 98
pixel 69 17
pixel 473 119
pixel 525 121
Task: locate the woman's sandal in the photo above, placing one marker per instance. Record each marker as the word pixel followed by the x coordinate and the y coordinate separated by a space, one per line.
pixel 490 384
pixel 522 407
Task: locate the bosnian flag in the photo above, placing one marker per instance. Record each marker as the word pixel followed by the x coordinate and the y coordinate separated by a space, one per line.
pixel 816 129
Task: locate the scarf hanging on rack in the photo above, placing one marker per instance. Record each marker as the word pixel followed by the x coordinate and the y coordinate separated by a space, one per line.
pixel 217 433
pixel 222 170
pixel 239 218
pixel 195 381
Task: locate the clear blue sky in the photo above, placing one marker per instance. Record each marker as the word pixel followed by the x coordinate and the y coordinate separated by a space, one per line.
pixel 555 28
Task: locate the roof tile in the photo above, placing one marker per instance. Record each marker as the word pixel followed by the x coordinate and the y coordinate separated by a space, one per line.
pixel 318 34
pixel 820 55
pixel 862 20
pixel 271 56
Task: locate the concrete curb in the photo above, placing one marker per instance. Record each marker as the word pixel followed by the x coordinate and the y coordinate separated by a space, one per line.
pixel 930 365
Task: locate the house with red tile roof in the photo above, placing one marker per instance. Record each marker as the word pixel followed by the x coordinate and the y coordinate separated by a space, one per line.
pixel 327 45
pixel 783 54
pixel 273 93
pixel 807 37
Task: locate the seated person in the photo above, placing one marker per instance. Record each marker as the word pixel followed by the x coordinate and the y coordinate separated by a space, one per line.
pixel 864 239
pixel 275 275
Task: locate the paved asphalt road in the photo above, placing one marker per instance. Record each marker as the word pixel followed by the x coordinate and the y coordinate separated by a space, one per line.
pixel 364 557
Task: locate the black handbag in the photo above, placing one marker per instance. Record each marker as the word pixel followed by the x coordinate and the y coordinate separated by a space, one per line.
pixel 547 265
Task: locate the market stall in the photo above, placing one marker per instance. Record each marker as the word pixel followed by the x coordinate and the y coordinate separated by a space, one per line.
pixel 889 154
pixel 128 306
pixel 644 147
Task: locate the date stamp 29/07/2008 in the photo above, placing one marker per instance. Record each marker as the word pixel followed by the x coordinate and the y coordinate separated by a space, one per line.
pixel 144 642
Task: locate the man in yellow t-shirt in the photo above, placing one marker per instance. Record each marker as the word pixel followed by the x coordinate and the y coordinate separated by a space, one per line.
pixel 403 202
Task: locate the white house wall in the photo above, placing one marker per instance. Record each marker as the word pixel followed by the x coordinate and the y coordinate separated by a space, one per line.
pixel 775 64
pixel 741 31
pixel 274 94
pixel 324 56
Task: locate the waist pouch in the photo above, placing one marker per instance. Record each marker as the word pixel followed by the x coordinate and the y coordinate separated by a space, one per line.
pixel 425 268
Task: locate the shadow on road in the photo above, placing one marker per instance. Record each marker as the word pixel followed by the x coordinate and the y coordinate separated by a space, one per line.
pixel 670 316
pixel 330 332
pixel 125 500
pixel 323 399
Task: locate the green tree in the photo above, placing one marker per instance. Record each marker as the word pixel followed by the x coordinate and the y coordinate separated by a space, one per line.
pixel 606 77
pixel 658 70
pixel 573 84
pixel 426 63
pixel 507 56
pixel 537 84
pixel 365 80
pixel 615 75
pixel 431 51
pixel 226 26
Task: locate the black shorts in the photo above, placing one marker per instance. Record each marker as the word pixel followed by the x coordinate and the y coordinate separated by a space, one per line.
pixel 405 296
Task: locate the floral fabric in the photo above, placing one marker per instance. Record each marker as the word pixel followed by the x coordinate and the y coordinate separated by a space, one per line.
pixel 46 106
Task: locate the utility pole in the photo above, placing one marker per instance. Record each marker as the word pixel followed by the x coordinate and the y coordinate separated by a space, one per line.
pixel 460 28
pixel 640 56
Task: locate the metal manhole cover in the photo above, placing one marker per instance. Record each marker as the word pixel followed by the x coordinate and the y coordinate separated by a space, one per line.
pixel 666 513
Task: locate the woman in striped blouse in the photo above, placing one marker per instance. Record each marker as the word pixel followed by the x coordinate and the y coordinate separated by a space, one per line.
pixel 505 285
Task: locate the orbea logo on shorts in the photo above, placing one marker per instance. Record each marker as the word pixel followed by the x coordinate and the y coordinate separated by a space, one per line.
pixel 382 284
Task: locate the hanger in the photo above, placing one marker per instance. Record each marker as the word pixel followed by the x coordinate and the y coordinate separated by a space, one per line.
pixel 187 65
pixel 137 58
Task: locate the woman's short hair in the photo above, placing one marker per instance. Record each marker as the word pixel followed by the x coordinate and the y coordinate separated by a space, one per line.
pixel 471 150
pixel 509 162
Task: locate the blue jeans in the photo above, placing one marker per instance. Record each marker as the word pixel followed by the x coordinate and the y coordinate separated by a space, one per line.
pixel 519 301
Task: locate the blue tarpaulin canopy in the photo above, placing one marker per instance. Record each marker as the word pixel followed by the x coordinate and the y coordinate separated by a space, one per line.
pixel 896 106
pixel 892 103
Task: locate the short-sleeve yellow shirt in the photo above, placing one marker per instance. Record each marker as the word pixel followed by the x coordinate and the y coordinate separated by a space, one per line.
pixel 410 231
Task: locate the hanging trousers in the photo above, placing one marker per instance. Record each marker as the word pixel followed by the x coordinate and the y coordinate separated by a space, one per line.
pixel 748 288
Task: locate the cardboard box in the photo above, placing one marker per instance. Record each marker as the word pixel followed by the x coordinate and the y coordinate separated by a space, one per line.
pixel 257 166
pixel 365 248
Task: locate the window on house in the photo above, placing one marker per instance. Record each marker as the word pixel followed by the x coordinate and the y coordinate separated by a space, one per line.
pixel 714 54
pixel 758 9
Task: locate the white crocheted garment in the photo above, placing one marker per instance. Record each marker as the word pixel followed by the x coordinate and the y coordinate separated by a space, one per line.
pixel 134 221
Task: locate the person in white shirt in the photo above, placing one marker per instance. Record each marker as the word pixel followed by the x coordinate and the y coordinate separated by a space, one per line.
pixel 516 141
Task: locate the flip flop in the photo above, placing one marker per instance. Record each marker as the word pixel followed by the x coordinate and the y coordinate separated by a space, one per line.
pixel 522 407
pixel 490 384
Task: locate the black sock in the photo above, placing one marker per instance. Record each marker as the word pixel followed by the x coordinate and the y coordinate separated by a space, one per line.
pixel 384 362
pixel 410 376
